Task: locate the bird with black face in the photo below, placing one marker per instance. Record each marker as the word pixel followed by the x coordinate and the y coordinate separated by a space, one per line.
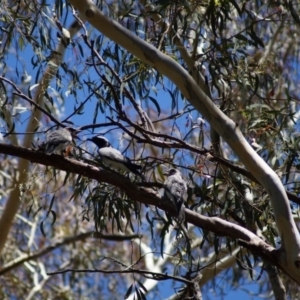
pixel 175 189
pixel 59 140
pixel 113 158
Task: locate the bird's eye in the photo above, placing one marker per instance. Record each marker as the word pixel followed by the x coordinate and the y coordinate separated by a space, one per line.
pixel 172 172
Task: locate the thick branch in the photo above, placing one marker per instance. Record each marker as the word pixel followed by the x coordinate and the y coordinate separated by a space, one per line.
pixel 150 197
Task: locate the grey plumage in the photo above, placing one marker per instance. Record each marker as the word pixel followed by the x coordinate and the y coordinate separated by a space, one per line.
pixel 113 158
pixel 176 191
pixel 58 140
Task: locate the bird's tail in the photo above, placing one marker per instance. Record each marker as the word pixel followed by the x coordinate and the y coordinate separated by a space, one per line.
pixel 136 172
pixel 180 212
pixel 134 169
pixel 49 149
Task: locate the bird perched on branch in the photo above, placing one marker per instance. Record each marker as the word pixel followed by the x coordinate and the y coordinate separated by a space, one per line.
pixel 113 158
pixel 59 140
pixel 176 190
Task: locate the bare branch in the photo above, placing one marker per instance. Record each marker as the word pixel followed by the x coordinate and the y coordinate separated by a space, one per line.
pixel 68 240
pixel 145 273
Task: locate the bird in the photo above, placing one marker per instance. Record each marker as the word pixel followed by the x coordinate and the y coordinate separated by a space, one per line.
pixel 113 158
pixel 175 189
pixel 59 140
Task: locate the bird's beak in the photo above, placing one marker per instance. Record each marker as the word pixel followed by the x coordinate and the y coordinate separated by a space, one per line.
pixel 74 133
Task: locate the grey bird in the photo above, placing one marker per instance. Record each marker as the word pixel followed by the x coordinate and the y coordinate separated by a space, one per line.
pixel 176 190
pixel 113 158
pixel 58 140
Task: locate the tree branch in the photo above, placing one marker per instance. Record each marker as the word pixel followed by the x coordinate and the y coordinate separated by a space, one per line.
pixel 67 240
pixel 153 275
pixel 150 197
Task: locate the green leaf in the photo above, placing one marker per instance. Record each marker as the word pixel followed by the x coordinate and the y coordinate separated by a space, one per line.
pixel 53 216
pixel 128 292
pixel 293 12
pixel 249 266
pixel 51 204
pixel 151 223
pixel 240 262
pixel 142 287
pixel 173 99
pixel 236 7
pixel 3 95
pixel 216 244
pixel 140 294
pixel 80 49
pixel 260 273
pixel 240 36
pixel 162 235
pixel 66 177
pixel 156 104
pixel 42 228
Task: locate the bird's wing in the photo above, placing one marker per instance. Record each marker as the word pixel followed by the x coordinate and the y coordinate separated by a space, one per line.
pixel 119 160
pixel 58 139
pixel 176 191
pixel 59 136
pixel 113 154
pixel 116 155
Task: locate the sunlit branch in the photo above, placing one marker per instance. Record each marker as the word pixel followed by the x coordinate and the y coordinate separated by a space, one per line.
pixel 68 240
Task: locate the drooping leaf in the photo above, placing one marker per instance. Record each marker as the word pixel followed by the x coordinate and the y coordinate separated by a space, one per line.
pixel 155 102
